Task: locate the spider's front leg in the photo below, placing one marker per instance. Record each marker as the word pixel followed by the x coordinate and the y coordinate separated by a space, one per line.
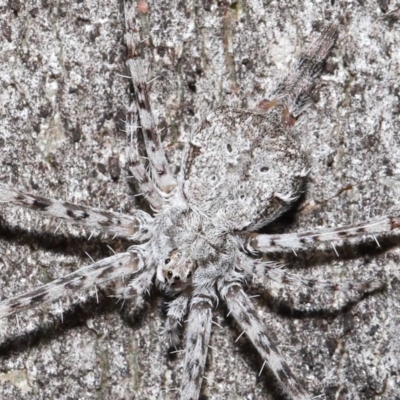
pixel 293 93
pixel 136 166
pixel 160 169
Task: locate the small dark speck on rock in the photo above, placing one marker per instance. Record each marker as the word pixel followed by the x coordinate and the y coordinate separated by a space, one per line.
pixel 76 134
pixel 330 159
pixel 102 168
pixel 373 330
pixel 114 167
pixel 348 323
pixel 207 5
pixel 383 5
pixel 15 5
pixel 330 67
pixel 355 89
pixel 6 31
pixel 331 344
pixel 34 11
pixel 395 283
pixel 330 392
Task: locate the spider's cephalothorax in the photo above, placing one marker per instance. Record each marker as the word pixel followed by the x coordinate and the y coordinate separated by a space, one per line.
pixel 247 172
pixel 241 169
pixel 185 244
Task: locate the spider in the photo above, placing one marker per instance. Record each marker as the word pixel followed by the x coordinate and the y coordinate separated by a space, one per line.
pixel 202 241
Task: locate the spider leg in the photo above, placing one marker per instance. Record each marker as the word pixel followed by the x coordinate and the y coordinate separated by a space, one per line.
pixel 177 310
pixel 241 308
pixel 158 163
pixel 351 292
pixel 136 165
pixel 197 339
pixel 134 226
pixel 271 271
pixel 288 241
pixel 137 288
pixel 293 92
pixel 80 280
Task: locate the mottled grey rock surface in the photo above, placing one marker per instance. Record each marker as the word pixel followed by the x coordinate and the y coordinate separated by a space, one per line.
pixel 62 100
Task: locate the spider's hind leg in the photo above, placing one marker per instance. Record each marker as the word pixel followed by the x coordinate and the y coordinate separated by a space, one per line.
pixel 197 339
pixel 241 308
pixel 262 274
pixel 266 272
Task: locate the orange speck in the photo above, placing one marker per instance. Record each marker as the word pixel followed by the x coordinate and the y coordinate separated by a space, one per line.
pixel 143 7
pixel 265 104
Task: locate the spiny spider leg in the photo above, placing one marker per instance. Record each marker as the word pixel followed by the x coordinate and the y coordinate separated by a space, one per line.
pixel 135 164
pixel 83 279
pixel 288 241
pixel 177 310
pixel 271 271
pixel 293 92
pixel 137 288
pixel 241 308
pixel 197 339
pixel 159 166
pixel 134 226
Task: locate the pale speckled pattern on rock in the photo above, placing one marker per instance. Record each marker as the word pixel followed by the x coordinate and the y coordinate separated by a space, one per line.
pixel 337 210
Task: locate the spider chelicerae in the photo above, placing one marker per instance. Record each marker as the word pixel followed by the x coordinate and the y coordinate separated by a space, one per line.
pixel 241 170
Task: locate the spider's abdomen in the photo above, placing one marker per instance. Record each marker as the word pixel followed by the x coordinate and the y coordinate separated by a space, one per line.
pixel 245 167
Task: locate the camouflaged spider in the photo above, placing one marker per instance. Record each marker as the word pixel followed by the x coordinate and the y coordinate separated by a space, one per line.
pixel 241 170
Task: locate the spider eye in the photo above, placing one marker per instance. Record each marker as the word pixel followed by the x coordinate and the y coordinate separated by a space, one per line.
pixel 167 261
pixel 169 274
pixel 189 274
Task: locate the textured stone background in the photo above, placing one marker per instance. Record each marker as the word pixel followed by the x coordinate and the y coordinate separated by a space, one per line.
pixel 61 105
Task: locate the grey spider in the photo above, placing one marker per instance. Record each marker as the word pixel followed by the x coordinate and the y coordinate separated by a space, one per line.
pixel 241 170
